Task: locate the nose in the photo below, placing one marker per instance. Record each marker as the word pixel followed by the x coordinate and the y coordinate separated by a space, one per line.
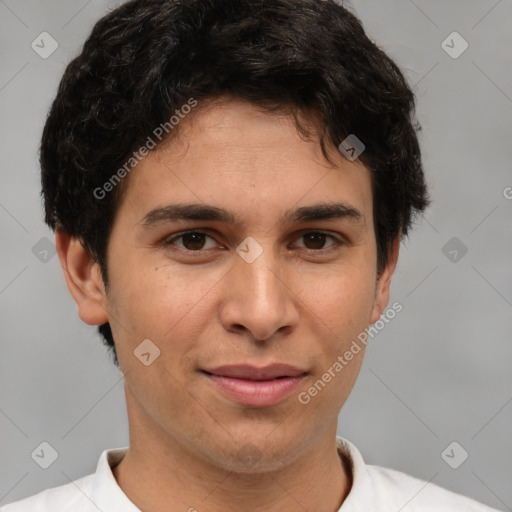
pixel 258 299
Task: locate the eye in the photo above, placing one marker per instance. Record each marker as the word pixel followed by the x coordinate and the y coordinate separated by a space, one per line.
pixel 192 241
pixel 315 241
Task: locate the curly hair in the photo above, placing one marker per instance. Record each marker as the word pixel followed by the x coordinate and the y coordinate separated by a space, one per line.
pixel 146 58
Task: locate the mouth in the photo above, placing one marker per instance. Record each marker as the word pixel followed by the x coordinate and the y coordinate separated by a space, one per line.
pixel 256 387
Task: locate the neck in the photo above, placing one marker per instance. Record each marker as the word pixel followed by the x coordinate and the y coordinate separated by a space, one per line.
pixel 159 474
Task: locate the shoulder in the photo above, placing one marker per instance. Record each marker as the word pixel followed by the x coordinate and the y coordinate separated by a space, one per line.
pixel 98 491
pixel 411 494
pixel 383 489
pixel 68 497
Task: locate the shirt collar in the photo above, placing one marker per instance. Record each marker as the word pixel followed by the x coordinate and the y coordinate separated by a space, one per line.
pixel 361 497
pixel 105 492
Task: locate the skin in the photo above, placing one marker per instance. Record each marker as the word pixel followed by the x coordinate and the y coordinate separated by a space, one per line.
pixel 187 439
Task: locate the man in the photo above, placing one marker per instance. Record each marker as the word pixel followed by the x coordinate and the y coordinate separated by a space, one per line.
pixel 229 182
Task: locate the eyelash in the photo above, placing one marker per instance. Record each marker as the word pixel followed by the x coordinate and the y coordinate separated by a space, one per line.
pixel 169 241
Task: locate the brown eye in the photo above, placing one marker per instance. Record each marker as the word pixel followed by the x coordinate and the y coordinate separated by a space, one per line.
pixel 315 240
pixel 193 241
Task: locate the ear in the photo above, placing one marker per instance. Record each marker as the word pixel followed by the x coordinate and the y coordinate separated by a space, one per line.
pixel 83 278
pixel 384 283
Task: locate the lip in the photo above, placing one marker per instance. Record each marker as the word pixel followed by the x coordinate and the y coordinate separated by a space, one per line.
pixel 249 372
pixel 256 386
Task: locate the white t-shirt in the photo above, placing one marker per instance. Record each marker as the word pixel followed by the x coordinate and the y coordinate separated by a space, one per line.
pixel 374 489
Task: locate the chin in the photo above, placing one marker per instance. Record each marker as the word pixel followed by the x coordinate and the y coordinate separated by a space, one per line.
pixel 253 456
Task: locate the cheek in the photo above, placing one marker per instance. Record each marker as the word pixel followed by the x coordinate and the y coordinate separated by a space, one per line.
pixel 162 396
pixel 341 304
pixel 342 298
pixel 159 301
pixel 342 309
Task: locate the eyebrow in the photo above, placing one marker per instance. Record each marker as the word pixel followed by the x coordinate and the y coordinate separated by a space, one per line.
pixel 199 211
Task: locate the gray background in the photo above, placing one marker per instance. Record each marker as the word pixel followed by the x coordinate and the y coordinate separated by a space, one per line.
pixel 439 372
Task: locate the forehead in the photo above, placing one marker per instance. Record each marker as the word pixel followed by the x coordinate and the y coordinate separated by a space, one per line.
pixel 233 154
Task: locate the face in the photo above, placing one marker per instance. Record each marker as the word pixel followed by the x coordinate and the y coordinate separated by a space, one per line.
pixel 263 276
